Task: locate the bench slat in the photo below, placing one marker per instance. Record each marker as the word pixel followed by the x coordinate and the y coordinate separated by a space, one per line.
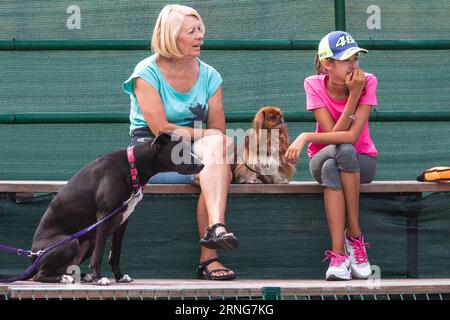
pixel 412 186
pixel 244 288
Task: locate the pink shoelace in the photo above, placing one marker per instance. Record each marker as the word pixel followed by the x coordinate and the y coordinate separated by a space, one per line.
pixel 336 258
pixel 359 248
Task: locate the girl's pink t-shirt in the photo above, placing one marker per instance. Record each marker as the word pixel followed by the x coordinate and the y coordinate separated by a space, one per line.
pixel 317 97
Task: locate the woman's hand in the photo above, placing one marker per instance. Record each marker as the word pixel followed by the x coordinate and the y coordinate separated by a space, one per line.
pixel 355 81
pixel 292 154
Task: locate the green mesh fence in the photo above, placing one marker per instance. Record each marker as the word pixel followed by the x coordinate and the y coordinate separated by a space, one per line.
pixel 57 151
pixel 90 81
pixel 286 244
pixel 411 19
pixel 115 19
pixel 285 237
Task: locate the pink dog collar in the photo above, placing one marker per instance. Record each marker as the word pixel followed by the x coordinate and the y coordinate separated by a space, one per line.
pixel 133 170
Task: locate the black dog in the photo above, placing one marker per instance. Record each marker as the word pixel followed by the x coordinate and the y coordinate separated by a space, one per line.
pixel 96 190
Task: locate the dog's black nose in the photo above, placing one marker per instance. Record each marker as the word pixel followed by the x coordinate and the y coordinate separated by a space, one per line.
pixel 197 168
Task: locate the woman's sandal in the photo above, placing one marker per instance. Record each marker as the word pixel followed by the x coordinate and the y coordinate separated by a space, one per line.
pixel 223 240
pixel 205 274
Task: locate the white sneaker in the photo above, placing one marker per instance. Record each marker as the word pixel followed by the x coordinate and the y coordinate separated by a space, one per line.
pixel 359 262
pixel 339 268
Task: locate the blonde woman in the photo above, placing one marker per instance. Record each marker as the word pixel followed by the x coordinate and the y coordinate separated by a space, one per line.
pixel 173 90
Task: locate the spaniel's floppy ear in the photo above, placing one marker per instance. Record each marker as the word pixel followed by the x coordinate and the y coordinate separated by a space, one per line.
pixel 258 121
pixel 284 131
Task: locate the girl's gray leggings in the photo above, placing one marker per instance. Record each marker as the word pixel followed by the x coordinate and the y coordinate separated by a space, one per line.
pixel 326 165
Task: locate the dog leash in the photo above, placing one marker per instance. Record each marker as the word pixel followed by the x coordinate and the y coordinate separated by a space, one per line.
pixel 260 176
pixel 137 190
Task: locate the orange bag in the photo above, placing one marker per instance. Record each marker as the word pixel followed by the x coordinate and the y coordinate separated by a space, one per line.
pixel 435 174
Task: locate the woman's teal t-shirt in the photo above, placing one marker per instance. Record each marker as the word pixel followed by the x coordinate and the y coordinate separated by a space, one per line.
pixel 181 108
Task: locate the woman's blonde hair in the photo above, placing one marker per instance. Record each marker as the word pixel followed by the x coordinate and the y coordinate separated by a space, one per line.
pixel 167 27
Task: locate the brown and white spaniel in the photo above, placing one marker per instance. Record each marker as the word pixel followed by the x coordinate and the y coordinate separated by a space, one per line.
pixel 260 159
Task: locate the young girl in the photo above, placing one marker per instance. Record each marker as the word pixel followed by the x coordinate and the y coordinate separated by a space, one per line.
pixel 342 154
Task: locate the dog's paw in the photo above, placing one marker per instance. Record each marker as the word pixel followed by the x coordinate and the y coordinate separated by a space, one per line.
pixel 250 180
pixel 87 277
pixel 254 181
pixel 125 279
pixel 102 282
pixel 65 278
pixel 281 181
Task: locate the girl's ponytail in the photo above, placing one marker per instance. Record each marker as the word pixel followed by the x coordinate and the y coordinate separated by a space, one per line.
pixel 318 65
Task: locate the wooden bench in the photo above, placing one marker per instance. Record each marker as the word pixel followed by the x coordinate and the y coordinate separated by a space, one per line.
pixel 409 186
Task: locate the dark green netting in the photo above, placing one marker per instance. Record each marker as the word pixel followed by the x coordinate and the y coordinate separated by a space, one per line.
pixel 56 152
pixel 31 19
pixel 118 19
pixel 288 243
pixel 90 81
pixel 411 19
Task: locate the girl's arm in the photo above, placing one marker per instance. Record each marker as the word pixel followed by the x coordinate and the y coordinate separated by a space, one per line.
pixel 355 83
pixel 362 115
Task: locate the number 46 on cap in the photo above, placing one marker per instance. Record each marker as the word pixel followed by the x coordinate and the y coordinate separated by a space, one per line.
pixel 344 40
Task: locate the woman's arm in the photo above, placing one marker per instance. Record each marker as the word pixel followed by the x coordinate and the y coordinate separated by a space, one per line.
pixel 216 114
pixel 350 136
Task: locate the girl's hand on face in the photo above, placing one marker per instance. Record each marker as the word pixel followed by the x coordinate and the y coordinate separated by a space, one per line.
pixel 355 81
pixel 292 154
